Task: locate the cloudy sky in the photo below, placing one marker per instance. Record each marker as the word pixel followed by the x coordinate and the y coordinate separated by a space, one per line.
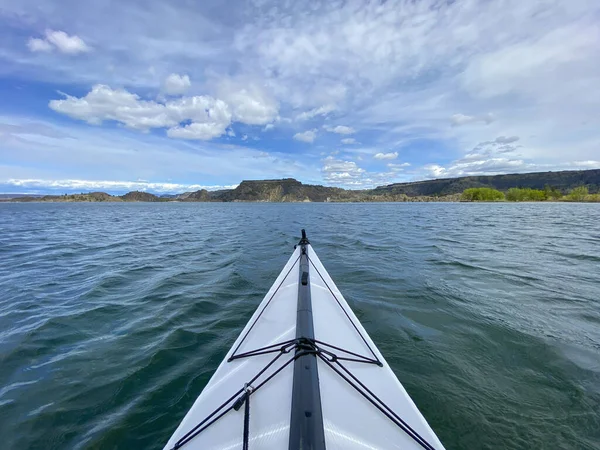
pixel 172 96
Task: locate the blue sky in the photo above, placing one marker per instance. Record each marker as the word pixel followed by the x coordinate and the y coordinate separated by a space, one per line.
pixel 175 96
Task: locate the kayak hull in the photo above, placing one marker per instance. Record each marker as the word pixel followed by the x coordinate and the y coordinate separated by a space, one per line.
pixel 360 397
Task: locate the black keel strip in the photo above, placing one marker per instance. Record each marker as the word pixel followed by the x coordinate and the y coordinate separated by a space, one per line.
pixel 306 425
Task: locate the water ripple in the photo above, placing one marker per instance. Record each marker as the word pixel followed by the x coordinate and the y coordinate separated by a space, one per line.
pixel 114 316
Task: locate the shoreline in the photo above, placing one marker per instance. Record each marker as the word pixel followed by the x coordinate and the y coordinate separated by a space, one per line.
pixel 410 200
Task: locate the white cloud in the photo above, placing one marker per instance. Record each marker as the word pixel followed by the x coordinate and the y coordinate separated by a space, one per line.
pixel 268 127
pixel 250 103
pixel 390 155
pixel 477 166
pixel 39 45
pixel 435 170
pixel 109 185
pixel 397 167
pixel 349 141
pixel 209 117
pixel 462 119
pixel 67 44
pixel 177 84
pixel 201 131
pixel 200 108
pixel 104 103
pixel 347 173
pixel 320 111
pixel 59 40
pixel 337 171
pixel 307 136
pixel 340 129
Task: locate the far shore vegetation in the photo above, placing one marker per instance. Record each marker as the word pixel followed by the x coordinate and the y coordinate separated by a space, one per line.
pixel 484 194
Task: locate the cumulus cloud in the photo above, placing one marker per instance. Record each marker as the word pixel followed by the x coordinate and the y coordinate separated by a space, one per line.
pixel 39 45
pixel 209 117
pixel 340 129
pixel 176 84
pixel 306 136
pixel 104 103
pixel 60 41
pixel 349 141
pixel 390 155
pixel 250 103
pixel 462 119
pixel 338 171
pixel 67 44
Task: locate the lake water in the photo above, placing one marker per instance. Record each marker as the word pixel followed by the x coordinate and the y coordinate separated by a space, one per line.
pixel 114 316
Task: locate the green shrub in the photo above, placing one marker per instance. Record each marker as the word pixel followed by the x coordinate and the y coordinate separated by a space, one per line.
pixel 526 195
pixel 592 198
pixel 552 193
pixel 482 195
pixel 578 194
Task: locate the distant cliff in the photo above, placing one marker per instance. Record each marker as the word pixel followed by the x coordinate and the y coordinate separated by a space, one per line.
pixel 285 190
pixel 563 181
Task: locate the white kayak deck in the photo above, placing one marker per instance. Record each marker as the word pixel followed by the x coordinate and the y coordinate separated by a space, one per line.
pixel 350 421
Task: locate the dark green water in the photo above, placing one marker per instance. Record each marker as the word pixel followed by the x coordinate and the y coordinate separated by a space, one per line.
pixel 114 316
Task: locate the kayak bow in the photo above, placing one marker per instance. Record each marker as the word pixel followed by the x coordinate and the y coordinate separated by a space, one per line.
pixel 304 374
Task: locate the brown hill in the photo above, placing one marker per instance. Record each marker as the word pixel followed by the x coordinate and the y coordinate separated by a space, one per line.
pixel 138 196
